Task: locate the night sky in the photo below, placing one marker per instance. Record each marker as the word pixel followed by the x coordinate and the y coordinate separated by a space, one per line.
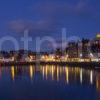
pixel 47 17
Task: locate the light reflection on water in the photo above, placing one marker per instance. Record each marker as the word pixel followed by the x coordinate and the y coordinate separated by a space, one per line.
pixel 67 75
pixel 63 75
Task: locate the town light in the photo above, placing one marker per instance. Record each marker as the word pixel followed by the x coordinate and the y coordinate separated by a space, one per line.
pixel 98 36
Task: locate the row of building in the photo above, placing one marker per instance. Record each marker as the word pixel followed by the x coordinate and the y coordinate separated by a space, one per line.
pixel 85 49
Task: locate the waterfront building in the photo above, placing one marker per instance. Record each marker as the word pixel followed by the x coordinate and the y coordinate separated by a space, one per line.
pixel 58 54
pixel 95 47
pixel 72 50
pixel 85 48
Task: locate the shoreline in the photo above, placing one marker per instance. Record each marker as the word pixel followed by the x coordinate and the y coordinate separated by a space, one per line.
pixel 74 64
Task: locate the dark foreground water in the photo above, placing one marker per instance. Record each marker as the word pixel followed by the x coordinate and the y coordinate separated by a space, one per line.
pixel 49 83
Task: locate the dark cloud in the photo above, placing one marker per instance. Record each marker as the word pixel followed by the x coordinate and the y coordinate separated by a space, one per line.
pixel 36 27
pixel 62 9
pixel 53 15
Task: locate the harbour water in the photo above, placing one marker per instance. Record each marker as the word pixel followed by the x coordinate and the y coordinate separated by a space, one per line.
pixel 49 82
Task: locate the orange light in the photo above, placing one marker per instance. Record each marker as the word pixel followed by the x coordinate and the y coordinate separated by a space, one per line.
pixel 98 35
pixel 31 71
pixel 12 72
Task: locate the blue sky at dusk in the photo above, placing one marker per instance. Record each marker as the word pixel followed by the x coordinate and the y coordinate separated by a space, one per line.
pixel 47 18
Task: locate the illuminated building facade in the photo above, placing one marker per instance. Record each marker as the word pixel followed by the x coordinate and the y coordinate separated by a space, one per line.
pixel 95 47
pixel 73 50
pixel 85 48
